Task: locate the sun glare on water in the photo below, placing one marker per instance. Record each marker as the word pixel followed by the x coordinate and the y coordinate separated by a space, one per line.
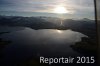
pixel 59 31
pixel 61 10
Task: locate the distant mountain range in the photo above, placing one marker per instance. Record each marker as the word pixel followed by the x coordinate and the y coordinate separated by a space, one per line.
pixel 84 25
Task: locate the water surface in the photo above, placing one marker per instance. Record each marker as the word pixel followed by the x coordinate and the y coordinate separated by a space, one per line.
pixel 28 42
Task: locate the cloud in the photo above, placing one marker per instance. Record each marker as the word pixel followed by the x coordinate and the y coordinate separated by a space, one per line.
pixel 43 4
pixel 76 6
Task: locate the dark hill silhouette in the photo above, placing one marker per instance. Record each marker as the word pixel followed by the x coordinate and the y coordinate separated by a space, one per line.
pixel 84 25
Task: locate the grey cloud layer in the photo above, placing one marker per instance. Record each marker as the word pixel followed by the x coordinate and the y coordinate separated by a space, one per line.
pixel 44 4
pixel 81 8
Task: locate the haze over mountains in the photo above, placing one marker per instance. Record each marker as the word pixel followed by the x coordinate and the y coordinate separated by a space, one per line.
pixel 84 25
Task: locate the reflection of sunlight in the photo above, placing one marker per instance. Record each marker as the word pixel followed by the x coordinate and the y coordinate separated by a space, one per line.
pixel 61 23
pixel 59 31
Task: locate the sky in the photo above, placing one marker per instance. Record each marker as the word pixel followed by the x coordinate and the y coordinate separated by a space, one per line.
pixel 76 8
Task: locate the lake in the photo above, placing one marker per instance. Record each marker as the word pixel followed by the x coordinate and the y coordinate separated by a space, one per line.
pixel 27 43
